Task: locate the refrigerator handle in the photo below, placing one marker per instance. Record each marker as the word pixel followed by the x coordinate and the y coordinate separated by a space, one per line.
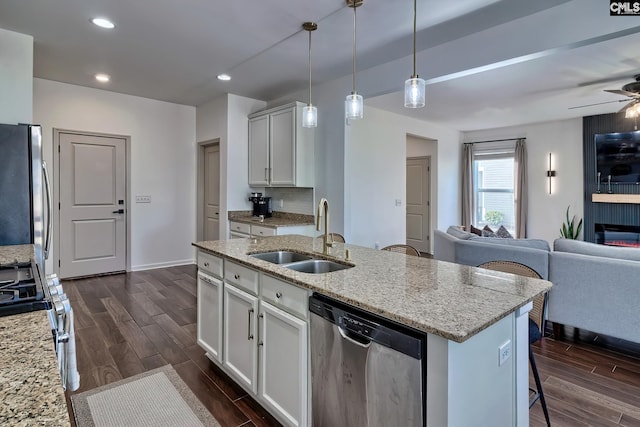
pixel 49 209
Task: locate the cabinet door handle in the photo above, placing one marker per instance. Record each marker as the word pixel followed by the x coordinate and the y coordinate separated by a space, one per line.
pixel 236 276
pixel 206 264
pixel 249 334
pixel 266 174
pixel 260 342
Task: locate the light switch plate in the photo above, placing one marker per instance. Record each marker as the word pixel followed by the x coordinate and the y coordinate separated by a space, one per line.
pixel 143 199
pixel 504 353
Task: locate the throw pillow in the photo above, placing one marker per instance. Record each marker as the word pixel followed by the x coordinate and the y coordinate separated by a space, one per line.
pixel 504 233
pixel 475 230
pixel 488 232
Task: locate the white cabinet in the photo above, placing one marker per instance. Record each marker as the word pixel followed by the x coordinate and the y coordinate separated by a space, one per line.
pixel 240 353
pixel 283 364
pixel 210 308
pixel 281 151
pixel 239 230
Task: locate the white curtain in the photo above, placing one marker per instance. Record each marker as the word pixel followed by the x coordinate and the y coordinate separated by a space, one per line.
pixel 467 185
pixel 520 188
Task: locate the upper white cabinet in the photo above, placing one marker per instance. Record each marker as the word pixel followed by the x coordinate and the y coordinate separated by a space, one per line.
pixel 280 149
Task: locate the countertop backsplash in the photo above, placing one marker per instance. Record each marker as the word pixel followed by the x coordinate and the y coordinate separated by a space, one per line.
pixel 294 200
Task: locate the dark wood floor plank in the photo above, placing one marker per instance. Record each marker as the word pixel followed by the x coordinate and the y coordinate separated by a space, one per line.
pixel 629 421
pixel 232 390
pixel 167 348
pixel 106 374
pixel 147 305
pixel 223 409
pixel 116 310
pixel 175 331
pixel 126 360
pixel 140 344
pixel 153 362
pixel 256 413
pixel 108 328
pixel 620 374
pixel 189 286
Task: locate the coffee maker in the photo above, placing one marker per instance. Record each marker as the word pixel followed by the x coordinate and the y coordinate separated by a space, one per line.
pixel 261 205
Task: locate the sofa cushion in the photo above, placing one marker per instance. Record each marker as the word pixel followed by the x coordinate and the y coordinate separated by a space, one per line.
pixel 488 232
pixel 460 234
pixel 588 248
pixel 522 243
pixel 475 230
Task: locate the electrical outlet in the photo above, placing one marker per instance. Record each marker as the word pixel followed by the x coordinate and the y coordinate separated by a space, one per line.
pixel 143 199
pixel 281 203
pixel 504 353
pixel 398 202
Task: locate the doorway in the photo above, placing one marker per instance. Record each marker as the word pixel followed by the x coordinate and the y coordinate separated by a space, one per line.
pixel 92 193
pixel 419 203
pixel 208 217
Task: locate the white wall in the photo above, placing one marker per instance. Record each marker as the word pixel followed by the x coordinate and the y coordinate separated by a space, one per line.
pixel 16 77
pixel 225 118
pixel 375 174
pixel 163 162
pixel 563 139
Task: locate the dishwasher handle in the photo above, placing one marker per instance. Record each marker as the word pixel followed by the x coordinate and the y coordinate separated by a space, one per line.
pixel 360 341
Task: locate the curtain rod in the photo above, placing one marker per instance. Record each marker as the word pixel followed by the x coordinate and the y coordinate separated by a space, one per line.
pixel 494 140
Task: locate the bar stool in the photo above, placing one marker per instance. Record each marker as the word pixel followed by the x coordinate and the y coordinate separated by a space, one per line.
pixel 403 249
pixel 536 325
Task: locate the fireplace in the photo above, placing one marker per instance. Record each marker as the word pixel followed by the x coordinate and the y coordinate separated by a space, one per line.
pixel 618 235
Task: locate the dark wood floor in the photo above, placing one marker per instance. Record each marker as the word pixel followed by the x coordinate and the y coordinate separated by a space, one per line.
pixel 130 323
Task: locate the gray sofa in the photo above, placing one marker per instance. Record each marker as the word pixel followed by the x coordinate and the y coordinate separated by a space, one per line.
pixel 595 287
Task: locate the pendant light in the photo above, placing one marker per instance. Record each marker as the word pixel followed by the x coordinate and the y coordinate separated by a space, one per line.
pixel 310 113
pixel 354 103
pixel 414 88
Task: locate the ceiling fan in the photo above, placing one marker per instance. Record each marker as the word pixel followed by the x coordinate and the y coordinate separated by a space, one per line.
pixel 630 90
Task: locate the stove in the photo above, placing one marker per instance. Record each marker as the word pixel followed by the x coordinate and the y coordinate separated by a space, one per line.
pixel 21 289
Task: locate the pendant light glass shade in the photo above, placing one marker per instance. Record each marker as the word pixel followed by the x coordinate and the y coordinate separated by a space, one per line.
pixel 310 113
pixel 309 116
pixel 414 92
pixel 414 88
pixel 354 106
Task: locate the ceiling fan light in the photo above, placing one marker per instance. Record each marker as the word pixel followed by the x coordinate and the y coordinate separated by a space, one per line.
pixel 309 116
pixel 414 92
pixel 632 112
pixel 354 106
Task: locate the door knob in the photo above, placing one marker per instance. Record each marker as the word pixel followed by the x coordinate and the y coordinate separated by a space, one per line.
pixel 119 211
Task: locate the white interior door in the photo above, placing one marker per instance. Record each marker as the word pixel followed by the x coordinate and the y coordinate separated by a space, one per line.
pixel 418 221
pixel 212 192
pixel 93 214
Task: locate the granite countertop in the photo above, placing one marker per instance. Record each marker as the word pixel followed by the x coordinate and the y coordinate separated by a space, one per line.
pixel 30 386
pixel 13 253
pixel 450 300
pixel 278 219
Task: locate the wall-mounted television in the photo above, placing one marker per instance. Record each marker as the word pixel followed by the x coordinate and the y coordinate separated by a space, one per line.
pixel 618 156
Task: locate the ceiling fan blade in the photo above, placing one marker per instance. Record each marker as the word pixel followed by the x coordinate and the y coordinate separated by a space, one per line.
pixel 623 92
pixel 599 103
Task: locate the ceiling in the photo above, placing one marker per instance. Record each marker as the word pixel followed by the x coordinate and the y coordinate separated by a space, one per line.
pixel 488 63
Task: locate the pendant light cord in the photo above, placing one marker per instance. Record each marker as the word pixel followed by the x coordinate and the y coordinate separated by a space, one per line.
pixel 354 45
pixel 414 37
pixel 309 68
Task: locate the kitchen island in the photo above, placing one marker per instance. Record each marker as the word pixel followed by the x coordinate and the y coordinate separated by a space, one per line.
pixel 468 314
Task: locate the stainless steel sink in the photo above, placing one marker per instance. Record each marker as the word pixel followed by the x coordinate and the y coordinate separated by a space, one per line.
pixel 281 257
pixel 317 266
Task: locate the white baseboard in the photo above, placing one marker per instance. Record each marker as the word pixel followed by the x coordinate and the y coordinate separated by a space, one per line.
pixel 162 265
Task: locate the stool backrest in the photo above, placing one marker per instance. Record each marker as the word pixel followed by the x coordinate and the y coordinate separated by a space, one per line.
pixel 404 249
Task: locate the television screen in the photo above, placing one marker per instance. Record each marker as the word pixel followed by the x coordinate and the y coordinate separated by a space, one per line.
pixel 618 156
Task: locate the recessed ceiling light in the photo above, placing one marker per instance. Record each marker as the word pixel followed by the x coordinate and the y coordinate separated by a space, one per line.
pixel 224 77
pixel 103 78
pixel 103 23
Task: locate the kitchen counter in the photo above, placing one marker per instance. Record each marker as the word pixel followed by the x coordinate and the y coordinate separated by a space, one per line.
pixel 13 253
pixel 279 219
pixel 30 387
pixel 449 300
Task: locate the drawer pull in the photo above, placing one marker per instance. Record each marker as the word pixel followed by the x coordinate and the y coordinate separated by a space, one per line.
pixel 278 295
pixel 236 276
pixel 206 264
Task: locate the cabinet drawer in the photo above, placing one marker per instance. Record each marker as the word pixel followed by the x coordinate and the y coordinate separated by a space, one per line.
pixel 257 230
pixel 242 277
pixel 210 263
pixel 239 227
pixel 235 235
pixel 284 295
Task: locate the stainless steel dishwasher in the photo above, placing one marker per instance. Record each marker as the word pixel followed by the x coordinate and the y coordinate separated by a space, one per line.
pixel 366 370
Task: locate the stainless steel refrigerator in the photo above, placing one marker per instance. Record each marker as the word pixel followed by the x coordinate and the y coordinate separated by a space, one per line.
pixel 24 186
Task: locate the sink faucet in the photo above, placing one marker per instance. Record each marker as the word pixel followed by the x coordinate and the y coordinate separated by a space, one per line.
pixel 325 243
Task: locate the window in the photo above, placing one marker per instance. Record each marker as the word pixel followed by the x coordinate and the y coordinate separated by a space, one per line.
pixel 493 202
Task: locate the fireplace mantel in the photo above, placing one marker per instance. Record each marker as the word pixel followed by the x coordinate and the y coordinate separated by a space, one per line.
pixel 615 198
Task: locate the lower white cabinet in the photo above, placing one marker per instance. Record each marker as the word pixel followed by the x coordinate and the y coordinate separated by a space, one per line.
pixel 240 352
pixel 210 315
pixel 282 385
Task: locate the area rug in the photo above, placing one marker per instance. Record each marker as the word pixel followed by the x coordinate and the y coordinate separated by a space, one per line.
pixel 154 398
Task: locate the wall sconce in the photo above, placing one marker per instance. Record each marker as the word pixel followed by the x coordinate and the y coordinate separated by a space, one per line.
pixel 550 173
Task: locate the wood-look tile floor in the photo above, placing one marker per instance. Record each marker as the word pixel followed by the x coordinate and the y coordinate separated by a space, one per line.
pixel 130 323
